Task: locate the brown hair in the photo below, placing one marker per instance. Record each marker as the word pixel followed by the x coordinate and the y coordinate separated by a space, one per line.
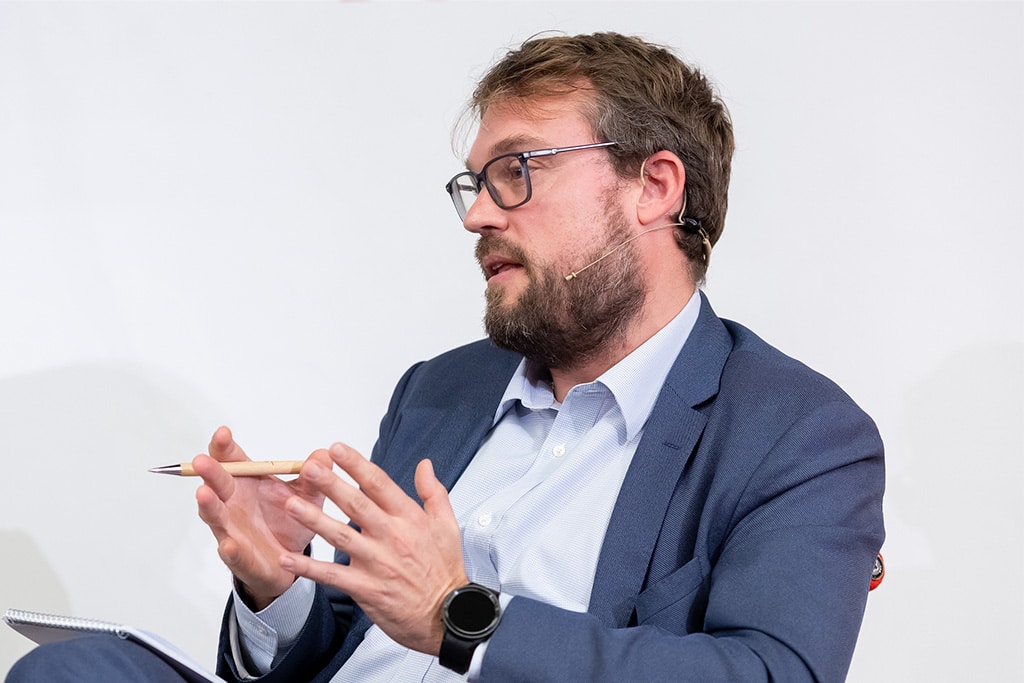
pixel 641 96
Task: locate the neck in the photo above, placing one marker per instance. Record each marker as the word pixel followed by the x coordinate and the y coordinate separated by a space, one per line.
pixel 650 321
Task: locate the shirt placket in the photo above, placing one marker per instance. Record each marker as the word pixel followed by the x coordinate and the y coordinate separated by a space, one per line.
pixel 490 545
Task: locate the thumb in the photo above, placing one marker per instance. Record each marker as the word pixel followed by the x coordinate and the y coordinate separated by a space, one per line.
pixel 433 494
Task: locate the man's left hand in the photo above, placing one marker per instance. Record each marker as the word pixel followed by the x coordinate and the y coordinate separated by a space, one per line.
pixel 404 559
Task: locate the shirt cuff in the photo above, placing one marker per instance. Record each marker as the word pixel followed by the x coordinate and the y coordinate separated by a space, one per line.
pixel 262 635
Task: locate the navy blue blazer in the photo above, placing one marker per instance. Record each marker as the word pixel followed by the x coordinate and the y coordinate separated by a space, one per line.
pixel 740 547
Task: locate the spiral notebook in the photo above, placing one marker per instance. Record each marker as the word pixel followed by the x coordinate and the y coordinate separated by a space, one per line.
pixel 49 628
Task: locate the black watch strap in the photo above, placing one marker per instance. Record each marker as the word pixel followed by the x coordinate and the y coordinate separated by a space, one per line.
pixel 470 615
pixel 456 653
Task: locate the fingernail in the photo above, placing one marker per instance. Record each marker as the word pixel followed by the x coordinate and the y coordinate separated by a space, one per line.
pixel 287 562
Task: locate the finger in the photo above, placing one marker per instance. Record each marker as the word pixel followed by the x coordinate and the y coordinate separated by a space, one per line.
pixel 373 481
pixel 222 449
pixel 307 485
pixel 433 494
pixel 350 500
pixel 323 573
pixel 212 511
pixel 444 525
pixel 214 476
pixel 337 533
pixel 353 502
pixel 223 446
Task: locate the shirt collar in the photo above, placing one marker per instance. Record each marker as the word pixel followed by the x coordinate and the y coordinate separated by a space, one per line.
pixel 635 381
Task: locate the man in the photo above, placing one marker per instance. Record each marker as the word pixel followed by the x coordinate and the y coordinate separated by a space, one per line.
pixel 639 490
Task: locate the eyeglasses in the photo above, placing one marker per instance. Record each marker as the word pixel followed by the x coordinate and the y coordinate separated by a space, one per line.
pixel 507 178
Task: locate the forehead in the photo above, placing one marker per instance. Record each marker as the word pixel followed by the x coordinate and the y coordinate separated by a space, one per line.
pixel 536 123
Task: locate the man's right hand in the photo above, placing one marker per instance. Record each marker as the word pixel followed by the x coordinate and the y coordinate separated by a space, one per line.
pixel 247 517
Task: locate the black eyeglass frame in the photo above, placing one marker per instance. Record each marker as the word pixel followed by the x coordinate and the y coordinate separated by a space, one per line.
pixel 478 180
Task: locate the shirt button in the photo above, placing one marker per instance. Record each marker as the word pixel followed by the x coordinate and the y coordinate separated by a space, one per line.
pixel 559 450
pixel 484 519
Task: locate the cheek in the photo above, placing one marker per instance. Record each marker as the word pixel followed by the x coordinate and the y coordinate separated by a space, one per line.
pixel 553 256
pixel 559 236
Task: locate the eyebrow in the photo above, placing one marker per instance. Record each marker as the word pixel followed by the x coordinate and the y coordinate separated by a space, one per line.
pixel 516 143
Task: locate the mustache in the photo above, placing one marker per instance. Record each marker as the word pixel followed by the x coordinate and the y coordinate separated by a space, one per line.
pixel 498 244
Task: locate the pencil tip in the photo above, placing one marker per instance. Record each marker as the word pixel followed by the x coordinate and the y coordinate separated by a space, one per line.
pixel 166 469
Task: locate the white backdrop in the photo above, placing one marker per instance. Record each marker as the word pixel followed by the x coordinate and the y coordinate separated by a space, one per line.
pixel 234 213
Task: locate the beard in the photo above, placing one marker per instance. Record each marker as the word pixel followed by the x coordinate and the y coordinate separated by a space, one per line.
pixel 564 324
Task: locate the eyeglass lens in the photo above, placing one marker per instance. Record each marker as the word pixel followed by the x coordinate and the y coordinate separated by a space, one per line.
pixel 506 178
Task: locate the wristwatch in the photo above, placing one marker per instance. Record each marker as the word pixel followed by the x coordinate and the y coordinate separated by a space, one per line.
pixel 470 615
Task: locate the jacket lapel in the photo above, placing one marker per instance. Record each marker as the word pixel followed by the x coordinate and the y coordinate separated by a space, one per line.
pixel 670 438
pixel 451 425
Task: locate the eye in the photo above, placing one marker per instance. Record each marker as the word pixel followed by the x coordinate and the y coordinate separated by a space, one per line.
pixel 506 171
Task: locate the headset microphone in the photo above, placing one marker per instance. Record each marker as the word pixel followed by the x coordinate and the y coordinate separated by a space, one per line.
pixel 689 224
pixel 611 251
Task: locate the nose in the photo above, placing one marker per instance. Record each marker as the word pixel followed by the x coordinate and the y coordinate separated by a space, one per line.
pixel 483 215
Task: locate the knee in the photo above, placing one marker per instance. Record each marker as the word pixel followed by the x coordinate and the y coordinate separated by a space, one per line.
pixel 52 662
pixel 98 658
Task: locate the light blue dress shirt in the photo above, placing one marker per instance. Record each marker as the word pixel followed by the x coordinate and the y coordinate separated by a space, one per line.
pixel 533 505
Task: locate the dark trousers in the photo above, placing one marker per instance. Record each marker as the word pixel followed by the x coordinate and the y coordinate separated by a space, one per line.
pixel 93 658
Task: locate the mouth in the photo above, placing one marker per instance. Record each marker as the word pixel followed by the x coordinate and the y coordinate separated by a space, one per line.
pixel 495 265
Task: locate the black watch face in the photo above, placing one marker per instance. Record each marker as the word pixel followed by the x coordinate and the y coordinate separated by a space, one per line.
pixel 472 613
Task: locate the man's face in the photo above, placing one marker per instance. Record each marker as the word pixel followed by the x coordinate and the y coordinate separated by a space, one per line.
pixel 575 216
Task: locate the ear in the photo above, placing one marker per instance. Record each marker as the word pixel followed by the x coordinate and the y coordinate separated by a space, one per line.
pixel 662 178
